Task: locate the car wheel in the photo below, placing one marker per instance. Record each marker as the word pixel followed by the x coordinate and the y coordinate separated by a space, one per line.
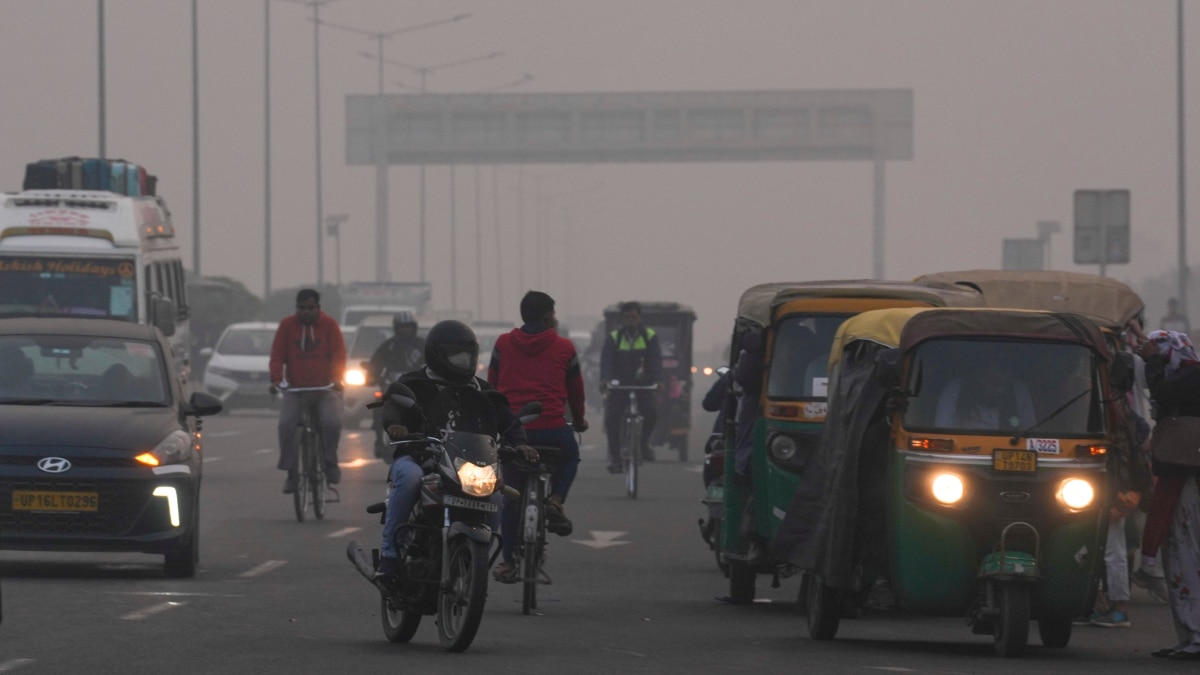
pixel 181 564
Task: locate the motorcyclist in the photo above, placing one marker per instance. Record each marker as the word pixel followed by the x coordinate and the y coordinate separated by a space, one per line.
pixel 399 354
pixel 451 355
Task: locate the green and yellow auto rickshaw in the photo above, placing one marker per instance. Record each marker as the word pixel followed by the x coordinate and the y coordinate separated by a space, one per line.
pixel 962 469
pixel 790 328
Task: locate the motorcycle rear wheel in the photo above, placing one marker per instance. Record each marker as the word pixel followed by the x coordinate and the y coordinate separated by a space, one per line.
pixel 398 626
pixel 460 603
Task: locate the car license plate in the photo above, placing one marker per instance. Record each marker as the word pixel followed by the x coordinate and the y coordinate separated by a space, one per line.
pixel 451 500
pixel 1024 461
pixel 28 500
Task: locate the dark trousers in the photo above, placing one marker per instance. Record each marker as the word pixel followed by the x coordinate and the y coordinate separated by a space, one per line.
pixel 562 438
pixel 615 405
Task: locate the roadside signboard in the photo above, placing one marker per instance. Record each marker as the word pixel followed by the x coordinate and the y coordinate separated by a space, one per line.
pixel 1101 227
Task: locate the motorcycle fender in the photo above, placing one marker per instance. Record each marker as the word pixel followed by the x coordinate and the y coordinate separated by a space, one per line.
pixel 479 533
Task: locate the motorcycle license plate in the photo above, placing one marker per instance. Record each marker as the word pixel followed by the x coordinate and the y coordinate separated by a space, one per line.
pixel 29 500
pixel 451 500
pixel 1020 461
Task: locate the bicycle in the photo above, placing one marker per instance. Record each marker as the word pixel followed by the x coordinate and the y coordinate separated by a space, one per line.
pixel 311 480
pixel 631 435
pixel 530 550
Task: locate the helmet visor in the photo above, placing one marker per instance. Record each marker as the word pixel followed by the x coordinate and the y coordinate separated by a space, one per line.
pixel 464 359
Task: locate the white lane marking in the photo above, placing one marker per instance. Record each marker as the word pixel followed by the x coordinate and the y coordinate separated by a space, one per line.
pixel 357 462
pixel 212 459
pixel 13 664
pixel 173 594
pixel 263 451
pixel 263 568
pixel 587 447
pixel 222 434
pixel 695 468
pixel 342 532
pixel 603 539
pixel 152 610
pixel 893 669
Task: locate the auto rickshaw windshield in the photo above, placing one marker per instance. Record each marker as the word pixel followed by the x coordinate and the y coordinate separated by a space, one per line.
pixel 1049 389
pixel 800 356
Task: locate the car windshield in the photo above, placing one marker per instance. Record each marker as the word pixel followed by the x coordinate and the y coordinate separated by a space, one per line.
pixel 55 285
pixel 800 356
pixel 81 370
pixel 1047 389
pixel 246 342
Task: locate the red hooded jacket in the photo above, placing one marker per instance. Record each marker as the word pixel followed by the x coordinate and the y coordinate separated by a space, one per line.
pixel 539 366
pixel 313 356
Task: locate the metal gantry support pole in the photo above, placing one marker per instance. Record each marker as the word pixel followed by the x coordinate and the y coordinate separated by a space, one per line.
pixel 877 229
pixel 266 148
pixel 453 244
pixel 102 105
pixel 1183 266
pixel 499 244
pixel 478 248
pixel 195 142
pixel 316 7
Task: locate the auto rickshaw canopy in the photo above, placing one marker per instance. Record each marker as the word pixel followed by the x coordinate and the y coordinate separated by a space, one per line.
pixel 759 302
pixel 1108 302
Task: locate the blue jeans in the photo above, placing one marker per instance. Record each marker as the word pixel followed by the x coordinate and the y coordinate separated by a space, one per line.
pixel 560 481
pixel 404 489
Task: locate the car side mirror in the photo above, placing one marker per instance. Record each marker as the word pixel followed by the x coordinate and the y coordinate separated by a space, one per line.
pixel 203 404
pixel 1121 372
pixel 889 368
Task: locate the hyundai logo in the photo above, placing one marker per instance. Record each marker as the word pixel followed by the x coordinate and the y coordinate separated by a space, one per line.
pixel 53 464
pixel 1015 497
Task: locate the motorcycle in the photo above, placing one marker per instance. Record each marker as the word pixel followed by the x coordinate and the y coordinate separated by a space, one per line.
pixel 446 559
pixel 714 494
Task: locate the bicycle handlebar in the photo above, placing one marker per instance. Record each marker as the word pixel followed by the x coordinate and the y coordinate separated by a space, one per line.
pixel 301 390
pixel 632 387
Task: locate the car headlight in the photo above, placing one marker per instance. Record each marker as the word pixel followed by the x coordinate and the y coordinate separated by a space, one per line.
pixel 783 447
pixel 355 377
pixel 1076 494
pixel 175 448
pixel 477 481
pixel 947 488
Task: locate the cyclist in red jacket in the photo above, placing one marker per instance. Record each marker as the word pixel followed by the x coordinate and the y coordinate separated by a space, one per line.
pixel 534 363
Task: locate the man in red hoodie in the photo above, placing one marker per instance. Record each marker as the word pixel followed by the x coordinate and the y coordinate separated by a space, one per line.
pixel 534 363
pixel 308 351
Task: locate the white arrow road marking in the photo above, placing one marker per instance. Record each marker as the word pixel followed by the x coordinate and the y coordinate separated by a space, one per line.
pixel 222 434
pixel 152 610
pixel 212 459
pixel 263 451
pixel 263 568
pixel 342 532
pixel 9 666
pixel 602 539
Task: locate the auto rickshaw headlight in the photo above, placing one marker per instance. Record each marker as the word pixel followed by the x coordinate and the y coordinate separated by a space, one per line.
pixel 1076 494
pixel 783 447
pixel 947 488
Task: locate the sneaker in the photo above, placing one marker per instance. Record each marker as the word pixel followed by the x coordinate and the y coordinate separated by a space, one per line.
pixel 1156 586
pixel 289 483
pixel 387 567
pixel 1113 618
pixel 505 573
pixel 333 473
pixel 557 521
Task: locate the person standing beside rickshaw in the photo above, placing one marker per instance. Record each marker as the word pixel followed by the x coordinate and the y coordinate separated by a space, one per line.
pixel 632 356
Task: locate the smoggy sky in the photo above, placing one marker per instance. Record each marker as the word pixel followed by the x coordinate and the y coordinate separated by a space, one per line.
pixel 1017 104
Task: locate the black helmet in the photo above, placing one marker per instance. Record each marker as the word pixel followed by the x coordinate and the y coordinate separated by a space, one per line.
pixel 404 318
pixel 451 351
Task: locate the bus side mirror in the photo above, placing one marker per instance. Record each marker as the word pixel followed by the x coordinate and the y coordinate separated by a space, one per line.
pixel 1121 372
pixel 889 367
pixel 162 312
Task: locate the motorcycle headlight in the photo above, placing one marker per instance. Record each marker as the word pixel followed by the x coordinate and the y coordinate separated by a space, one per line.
pixel 355 377
pixel 1075 494
pixel 477 481
pixel 175 448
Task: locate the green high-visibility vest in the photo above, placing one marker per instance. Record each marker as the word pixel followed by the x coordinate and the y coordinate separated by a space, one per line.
pixel 624 345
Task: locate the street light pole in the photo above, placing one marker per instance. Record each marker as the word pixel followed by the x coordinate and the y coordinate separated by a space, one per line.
pixel 195 142
pixel 333 227
pixel 266 148
pixel 1183 269
pixel 102 105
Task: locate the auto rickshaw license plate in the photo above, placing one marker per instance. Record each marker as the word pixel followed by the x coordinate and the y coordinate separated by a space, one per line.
pixel 1024 461
pixel 30 500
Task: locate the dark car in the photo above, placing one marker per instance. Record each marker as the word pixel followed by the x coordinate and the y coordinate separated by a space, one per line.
pixel 99 441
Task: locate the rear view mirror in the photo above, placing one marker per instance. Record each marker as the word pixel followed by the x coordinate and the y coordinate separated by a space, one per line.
pixel 889 368
pixel 530 412
pixel 204 403
pixel 1121 372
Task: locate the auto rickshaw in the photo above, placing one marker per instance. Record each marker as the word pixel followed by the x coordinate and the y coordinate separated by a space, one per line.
pixel 963 467
pixel 793 323
pixel 672 322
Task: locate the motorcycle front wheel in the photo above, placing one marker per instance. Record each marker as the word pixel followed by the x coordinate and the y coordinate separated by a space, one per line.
pixel 398 626
pixel 460 604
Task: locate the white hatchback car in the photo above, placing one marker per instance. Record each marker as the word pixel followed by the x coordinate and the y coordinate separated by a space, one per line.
pixel 238 367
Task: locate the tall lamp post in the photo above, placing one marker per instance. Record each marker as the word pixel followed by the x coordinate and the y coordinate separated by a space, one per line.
pixel 381 163
pixel 333 227
pixel 1182 147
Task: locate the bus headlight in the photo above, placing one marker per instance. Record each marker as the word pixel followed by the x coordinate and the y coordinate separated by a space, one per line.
pixel 947 488
pixel 783 447
pixel 1076 494
pixel 477 481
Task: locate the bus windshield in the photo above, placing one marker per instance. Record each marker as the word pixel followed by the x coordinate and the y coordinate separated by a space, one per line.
pixel 103 287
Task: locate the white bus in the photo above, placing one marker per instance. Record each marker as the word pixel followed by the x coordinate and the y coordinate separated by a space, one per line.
pixel 93 253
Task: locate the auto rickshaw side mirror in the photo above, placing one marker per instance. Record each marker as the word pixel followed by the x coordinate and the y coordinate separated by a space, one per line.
pixel 1121 372
pixel 889 368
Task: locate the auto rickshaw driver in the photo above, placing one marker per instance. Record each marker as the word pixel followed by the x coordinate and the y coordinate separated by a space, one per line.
pixel 986 397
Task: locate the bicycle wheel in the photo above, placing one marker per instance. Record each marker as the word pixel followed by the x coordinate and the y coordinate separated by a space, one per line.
pixel 300 496
pixel 633 456
pixel 531 549
pixel 316 472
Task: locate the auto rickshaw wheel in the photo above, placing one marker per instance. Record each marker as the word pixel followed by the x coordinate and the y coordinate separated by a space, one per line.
pixel 1055 631
pixel 1012 626
pixel 821 607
